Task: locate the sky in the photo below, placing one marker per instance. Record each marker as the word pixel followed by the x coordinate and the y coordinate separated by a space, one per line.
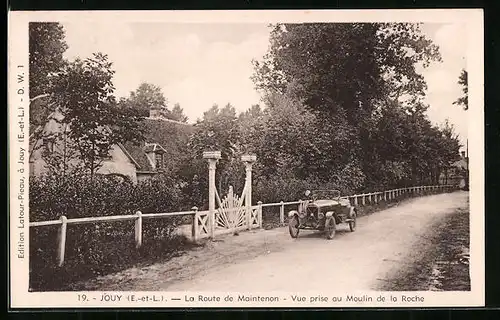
pixel 198 65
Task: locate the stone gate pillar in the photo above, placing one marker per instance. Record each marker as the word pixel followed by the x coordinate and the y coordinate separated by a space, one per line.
pixel 212 157
pixel 248 160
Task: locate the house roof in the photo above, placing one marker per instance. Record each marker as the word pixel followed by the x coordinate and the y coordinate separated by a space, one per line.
pixel 462 164
pixel 137 153
pixel 153 147
pixel 164 135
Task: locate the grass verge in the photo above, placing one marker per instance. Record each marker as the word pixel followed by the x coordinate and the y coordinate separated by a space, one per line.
pixel 443 261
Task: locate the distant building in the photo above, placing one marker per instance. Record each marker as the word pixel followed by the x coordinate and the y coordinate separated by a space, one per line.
pixel 457 173
pixel 165 142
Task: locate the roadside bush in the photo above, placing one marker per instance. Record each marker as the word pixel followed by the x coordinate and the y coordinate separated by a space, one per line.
pixel 99 248
pixel 278 189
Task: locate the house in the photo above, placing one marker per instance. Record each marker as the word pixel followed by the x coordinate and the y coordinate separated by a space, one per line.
pixel 457 173
pixel 164 145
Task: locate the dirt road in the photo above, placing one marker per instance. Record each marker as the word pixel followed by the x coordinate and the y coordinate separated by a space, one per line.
pixel 384 243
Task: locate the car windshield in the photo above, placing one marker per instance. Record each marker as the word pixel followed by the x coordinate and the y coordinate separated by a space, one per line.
pixel 325 194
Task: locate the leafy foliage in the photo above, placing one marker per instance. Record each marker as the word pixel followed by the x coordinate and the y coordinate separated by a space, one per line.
pixel 464 99
pixel 83 91
pixel 217 130
pixel 360 81
pixel 145 98
pixel 96 249
pixel 46 49
pixel 177 114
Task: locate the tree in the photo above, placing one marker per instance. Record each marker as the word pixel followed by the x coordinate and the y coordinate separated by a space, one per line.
pixel 177 114
pixel 83 92
pixel 216 131
pixel 346 67
pixel 251 125
pixel 46 49
pixel 345 74
pixel 463 101
pixel 145 98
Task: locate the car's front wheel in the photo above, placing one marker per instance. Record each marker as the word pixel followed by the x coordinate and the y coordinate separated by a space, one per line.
pixel 293 226
pixel 352 223
pixel 330 228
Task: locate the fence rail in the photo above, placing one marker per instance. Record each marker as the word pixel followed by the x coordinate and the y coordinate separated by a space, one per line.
pixel 357 200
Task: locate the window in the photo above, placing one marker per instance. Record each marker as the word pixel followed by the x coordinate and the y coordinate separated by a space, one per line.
pixel 49 144
pixel 159 161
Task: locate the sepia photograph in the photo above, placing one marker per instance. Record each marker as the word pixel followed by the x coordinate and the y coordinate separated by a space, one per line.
pixel 321 159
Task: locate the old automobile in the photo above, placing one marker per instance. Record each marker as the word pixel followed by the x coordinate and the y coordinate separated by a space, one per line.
pixel 322 210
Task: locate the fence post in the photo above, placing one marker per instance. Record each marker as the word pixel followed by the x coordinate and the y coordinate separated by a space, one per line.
pixel 259 212
pixel 194 227
pixel 355 201
pixel 363 200
pixel 282 213
pixel 376 197
pixel 62 240
pixel 138 229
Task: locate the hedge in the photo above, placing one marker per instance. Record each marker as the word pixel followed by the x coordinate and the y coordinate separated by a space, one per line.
pixel 99 248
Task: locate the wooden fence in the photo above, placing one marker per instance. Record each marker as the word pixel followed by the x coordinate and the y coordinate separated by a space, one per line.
pixel 357 200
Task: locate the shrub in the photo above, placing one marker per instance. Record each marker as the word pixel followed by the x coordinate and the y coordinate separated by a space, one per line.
pixel 99 248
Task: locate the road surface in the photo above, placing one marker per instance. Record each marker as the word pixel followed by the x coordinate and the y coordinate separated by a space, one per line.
pixel 385 242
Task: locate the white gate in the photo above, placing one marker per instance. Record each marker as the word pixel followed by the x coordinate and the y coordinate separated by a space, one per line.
pixel 234 213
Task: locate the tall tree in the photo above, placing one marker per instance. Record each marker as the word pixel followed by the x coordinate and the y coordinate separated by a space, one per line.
pixel 145 98
pixel 216 131
pixel 46 49
pixel 346 67
pixel 345 73
pixel 83 91
pixel 463 101
pixel 177 114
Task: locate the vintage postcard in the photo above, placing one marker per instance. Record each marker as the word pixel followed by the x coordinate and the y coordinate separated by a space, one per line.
pixel 198 159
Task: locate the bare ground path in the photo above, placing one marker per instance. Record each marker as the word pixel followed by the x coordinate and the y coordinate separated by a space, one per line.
pixel 384 243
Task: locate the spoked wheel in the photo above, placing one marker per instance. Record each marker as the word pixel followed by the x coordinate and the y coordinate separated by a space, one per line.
pixel 352 223
pixel 330 228
pixel 293 227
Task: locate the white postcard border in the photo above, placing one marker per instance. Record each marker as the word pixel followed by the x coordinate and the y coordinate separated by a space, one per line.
pixel 18 55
